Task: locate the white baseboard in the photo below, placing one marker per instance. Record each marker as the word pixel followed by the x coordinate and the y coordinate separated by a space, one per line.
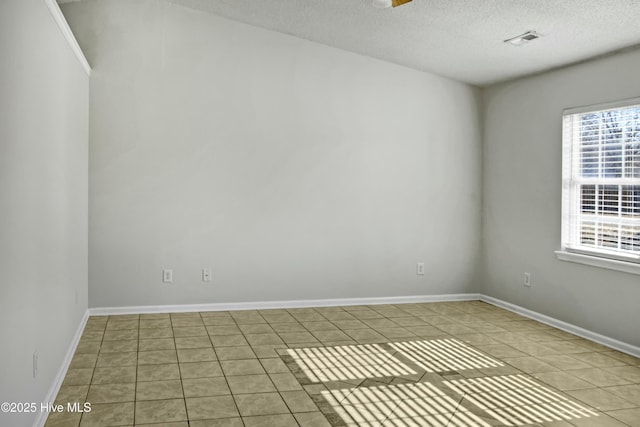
pixel 266 305
pixel 62 372
pixel 567 327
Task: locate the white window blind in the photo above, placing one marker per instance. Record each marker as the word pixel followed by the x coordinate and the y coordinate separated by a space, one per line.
pixel 601 181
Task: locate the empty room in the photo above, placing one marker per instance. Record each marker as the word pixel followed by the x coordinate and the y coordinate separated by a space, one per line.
pixel 320 213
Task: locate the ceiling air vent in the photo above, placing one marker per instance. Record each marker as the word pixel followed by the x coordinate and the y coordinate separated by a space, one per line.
pixel 523 38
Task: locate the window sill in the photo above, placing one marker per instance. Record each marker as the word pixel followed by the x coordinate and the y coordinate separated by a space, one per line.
pixel 611 264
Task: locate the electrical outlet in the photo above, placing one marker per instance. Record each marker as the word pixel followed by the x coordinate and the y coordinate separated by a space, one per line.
pixel 167 275
pixel 35 363
pixel 420 269
pixel 527 279
pixel 206 275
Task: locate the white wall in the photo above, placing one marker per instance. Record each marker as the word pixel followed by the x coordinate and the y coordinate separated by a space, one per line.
pixel 43 200
pixel 522 197
pixel 293 170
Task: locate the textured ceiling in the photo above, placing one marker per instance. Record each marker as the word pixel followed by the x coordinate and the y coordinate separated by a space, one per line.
pixel 460 39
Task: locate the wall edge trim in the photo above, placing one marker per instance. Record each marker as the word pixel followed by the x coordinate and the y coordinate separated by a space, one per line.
pixel 63 25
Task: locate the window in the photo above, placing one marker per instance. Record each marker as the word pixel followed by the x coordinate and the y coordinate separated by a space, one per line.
pixel 601 181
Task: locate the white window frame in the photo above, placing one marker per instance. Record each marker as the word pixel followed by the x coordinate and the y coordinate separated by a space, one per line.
pixel 571 249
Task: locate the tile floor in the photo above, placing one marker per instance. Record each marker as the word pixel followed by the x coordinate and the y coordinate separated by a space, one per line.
pixel 464 364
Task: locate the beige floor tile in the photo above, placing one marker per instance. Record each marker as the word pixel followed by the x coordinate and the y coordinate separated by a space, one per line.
pixel 601 399
pixel 288 327
pixel 502 351
pixel 565 362
pixel 228 340
pixel 86 360
pixel 119 346
pixel 200 370
pixel 157 411
pixel 339 315
pixel 365 335
pixel 267 351
pixel 97 321
pixel 334 335
pixel 157 357
pixel 629 392
pixel 159 390
pixel 156 344
pixel 173 424
pixel 193 342
pixel 323 325
pixel 260 404
pixel 114 375
pixel 312 419
pixel 631 417
pixel 630 373
pixel 285 382
pixel 247 316
pixel 229 329
pixel 283 420
pixel 598 360
pixel 194 322
pixel 563 381
pixel 274 365
pixel 122 324
pixel 602 420
pixel 397 332
pixel 530 364
pixel 250 384
pixel 158 372
pixel 204 408
pixel 599 377
pixel 72 393
pixel 189 331
pixel 235 353
pixel 258 328
pixel 264 339
pixel 119 335
pixel 63 419
pixel 623 357
pixel 78 376
pixel 108 415
pixel 349 324
pixel 154 316
pixel 216 315
pixel 298 401
pixel 203 387
pixel 221 422
pixel 110 360
pixel 242 367
pixel 88 347
pixel 277 316
pixel 156 333
pixel 154 323
pixel 93 335
pixel 191 355
pixel 111 393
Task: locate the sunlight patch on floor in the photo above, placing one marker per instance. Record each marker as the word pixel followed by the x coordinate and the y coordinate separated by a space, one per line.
pixel 348 362
pixel 517 400
pixel 402 405
pixel 443 355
